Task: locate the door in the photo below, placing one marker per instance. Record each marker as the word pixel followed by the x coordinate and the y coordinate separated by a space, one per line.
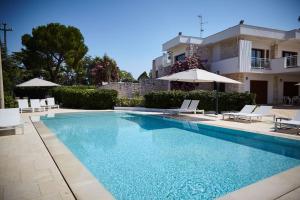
pixel 260 88
pixel 290 89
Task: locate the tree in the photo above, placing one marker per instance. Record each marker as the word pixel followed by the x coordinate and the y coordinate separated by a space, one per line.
pixel 104 69
pixel 143 76
pixel 12 73
pixel 53 50
pixel 188 63
pixel 150 74
pixel 126 76
pixel 86 65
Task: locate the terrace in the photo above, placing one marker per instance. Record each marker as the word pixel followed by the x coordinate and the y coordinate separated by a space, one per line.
pixel 36 165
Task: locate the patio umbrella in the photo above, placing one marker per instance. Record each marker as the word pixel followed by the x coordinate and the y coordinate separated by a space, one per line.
pixel 36 82
pixel 198 76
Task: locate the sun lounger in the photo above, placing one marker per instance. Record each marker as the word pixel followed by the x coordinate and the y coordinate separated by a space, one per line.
pixel 193 107
pixel 259 112
pixel 51 103
pixel 294 122
pixel 188 108
pixel 247 109
pixel 185 104
pixel 23 105
pixel 10 118
pixel 36 105
pixel 43 103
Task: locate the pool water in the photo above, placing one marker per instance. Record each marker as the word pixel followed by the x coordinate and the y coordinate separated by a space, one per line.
pixel 151 157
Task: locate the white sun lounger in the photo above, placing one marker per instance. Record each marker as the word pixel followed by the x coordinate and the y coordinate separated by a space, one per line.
pixel 185 104
pixel 259 112
pixel 294 122
pixel 193 107
pixel 10 118
pixel 247 109
pixel 23 105
pixel 43 103
pixel 36 105
pixel 51 103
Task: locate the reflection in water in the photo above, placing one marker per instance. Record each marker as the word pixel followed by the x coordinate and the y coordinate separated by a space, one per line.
pixel 268 143
pixel 86 130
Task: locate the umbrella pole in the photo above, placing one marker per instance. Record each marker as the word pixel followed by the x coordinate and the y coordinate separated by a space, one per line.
pixel 217 98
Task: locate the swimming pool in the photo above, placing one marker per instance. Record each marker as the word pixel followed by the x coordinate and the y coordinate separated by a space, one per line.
pixel 150 157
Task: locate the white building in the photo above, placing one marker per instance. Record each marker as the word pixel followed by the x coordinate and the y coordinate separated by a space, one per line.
pixel 266 60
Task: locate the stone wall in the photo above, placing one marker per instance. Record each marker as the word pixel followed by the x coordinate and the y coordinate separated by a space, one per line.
pixel 132 89
pixel 152 85
pixel 235 87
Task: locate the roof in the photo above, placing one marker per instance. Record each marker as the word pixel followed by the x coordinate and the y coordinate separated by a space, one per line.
pixel 234 31
pixel 36 82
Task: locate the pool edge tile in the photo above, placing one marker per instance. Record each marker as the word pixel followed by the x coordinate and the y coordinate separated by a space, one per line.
pixel 83 184
pixel 274 187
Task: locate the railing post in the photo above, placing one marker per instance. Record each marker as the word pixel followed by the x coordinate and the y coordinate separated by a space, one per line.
pixel 284 62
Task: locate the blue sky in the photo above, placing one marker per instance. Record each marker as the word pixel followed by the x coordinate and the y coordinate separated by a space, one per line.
pixel 133 31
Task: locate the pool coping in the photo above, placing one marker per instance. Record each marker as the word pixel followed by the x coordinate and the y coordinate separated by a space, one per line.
pixel 85 186
pixel 81 182
pixel 285 185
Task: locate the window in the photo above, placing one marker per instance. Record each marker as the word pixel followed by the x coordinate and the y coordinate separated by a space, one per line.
pixel 291 58
pixel 260 58
pixel 288 53
pixel 180 57
pixel 257 53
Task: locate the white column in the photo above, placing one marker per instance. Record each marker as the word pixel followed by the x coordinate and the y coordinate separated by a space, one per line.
pixel 245 48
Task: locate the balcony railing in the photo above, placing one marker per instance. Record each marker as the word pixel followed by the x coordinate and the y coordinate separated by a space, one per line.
pixel 291 61
pixel 260 63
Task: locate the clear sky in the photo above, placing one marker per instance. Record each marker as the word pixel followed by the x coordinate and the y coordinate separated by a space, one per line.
pixel 132 31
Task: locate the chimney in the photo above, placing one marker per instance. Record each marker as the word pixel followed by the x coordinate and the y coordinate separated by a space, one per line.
pixel 242 21
pixel 180 33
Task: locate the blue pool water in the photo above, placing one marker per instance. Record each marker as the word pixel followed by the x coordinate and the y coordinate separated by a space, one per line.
pixel 150 157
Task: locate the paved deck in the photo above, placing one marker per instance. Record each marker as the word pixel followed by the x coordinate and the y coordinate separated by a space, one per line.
pixel 27 170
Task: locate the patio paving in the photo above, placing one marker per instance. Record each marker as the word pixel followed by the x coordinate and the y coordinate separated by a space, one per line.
pixel 27 170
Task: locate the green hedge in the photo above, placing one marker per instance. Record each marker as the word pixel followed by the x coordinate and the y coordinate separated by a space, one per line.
pixel 130 102
pixel 173 99
pixel 85 98
pixel 10 102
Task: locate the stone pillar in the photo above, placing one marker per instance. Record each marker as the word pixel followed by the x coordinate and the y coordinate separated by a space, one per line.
pixel 274 51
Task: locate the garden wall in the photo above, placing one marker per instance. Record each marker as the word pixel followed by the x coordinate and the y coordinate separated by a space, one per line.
pixel 127 89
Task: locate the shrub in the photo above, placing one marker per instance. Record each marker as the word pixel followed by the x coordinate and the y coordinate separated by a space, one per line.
pixel 10 102
pixel 130 102
pixel 171 99
pixel 164 99
pixel 74 97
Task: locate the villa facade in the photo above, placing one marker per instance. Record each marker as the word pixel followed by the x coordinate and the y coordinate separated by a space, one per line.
pixel 265 60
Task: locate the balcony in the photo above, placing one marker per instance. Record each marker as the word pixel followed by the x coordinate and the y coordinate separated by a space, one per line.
pixel 260 63
pixel 257 65
pixel 286 64
pixel 291 61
